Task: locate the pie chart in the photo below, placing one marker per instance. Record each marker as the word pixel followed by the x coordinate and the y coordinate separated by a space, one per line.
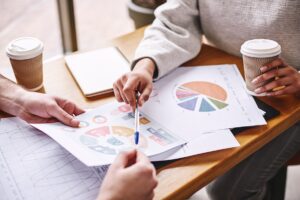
pixel 201 96
pixel 110 139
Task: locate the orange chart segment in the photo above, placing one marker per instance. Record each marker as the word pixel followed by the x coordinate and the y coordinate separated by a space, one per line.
pixel 201 96
pixel 206 88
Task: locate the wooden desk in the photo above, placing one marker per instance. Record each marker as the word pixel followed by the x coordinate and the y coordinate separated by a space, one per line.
pixel 181 178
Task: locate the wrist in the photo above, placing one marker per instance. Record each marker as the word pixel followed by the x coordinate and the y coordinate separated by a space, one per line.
pixel 107 196
pixel 20 96
pixel 146 65
pixel 10 98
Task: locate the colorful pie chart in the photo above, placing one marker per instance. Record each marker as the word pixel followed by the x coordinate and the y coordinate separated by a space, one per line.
pixel 201 96
pixel 110 139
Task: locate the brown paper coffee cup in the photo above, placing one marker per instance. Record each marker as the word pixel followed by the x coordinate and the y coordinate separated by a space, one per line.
pixel 26 58
pixel 29 73
pixel 252 70
pixel 257 53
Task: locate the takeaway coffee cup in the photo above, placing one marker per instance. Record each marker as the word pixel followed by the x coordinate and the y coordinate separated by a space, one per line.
pixel 256 53
pixel 26 58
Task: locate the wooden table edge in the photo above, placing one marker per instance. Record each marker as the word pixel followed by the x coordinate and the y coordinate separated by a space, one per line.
pixel 245 151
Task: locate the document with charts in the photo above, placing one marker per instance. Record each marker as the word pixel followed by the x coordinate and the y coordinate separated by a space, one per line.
pixel 33 166
pixel 107 130
pixel 195 100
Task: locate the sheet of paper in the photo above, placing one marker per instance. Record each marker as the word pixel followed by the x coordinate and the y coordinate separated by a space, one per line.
pixel 262 112
pixel 33 166
pixel 194 100
pixel 107 130
pixel 207 142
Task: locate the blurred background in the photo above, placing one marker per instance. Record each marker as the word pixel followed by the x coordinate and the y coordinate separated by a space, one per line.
pixel 96 21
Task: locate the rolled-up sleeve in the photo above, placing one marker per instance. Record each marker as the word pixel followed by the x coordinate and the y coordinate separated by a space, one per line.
pixel 173 38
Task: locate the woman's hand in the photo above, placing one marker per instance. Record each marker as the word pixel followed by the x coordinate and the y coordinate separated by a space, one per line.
pixel 280 78
pixel 140 79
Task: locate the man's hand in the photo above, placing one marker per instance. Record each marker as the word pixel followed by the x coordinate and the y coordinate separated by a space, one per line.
pixel 277 74
pixel 42 108
pixel 131 177
pixel 140 79
pixel 35 107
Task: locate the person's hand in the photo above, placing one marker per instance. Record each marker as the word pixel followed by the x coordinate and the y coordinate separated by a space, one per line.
pixel 140 79
pixel 130 177
pixel 279 76
pixel 42 108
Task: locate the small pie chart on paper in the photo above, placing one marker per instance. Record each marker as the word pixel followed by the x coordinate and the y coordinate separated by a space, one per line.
pixel 201 96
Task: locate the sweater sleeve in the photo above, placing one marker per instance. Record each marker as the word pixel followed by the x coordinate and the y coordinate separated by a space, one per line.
pixel 173 38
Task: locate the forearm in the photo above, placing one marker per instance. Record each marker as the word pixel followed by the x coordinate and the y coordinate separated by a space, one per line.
pixel 173 38
pixel 9 95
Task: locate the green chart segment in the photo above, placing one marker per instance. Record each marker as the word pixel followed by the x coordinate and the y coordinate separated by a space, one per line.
pixel 198 101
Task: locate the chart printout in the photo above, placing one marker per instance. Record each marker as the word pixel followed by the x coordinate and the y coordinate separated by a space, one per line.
pixel 196 100
pixel 34 167
pixel 108 130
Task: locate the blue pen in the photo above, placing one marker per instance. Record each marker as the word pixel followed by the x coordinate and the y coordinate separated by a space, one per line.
pixel 137 121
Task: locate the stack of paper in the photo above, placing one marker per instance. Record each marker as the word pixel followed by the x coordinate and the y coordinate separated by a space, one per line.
pixel 190 112
pixel 108 130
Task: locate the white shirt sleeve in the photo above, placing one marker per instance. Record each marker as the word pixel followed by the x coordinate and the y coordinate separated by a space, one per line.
pixel 173 38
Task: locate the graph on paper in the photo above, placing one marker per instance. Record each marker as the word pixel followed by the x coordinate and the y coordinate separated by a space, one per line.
pixel 108 139
pixel 201 96
pixel 108 130
pixel 33 166
pixel 193 100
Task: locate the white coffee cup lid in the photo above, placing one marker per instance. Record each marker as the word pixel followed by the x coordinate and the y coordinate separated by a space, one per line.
pixel 24 48
pixel 260 48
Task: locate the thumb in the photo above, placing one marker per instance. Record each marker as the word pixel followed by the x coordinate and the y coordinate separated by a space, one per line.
pixel 125 159
pixel 68 106
pixel 145 95
pixel 63 116
pixel 142 158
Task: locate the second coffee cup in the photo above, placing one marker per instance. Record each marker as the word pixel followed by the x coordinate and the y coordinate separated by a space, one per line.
pixel 256 53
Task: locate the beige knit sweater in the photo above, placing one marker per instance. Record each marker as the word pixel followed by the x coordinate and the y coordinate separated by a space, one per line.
pixel 175 35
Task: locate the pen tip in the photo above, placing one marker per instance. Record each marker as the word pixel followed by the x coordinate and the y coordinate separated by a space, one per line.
pixel 136 137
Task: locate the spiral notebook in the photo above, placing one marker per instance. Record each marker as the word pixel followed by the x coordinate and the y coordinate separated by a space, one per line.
pixel 96 71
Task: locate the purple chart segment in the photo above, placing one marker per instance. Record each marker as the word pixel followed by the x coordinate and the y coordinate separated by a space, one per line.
pixel 189 104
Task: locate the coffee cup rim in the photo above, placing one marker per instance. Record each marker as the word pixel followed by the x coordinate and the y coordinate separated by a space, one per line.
pixel 274 49
pixel 15 53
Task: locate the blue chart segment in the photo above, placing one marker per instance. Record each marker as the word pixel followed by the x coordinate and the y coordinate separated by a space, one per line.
pixel 200 96
pixel 206 107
